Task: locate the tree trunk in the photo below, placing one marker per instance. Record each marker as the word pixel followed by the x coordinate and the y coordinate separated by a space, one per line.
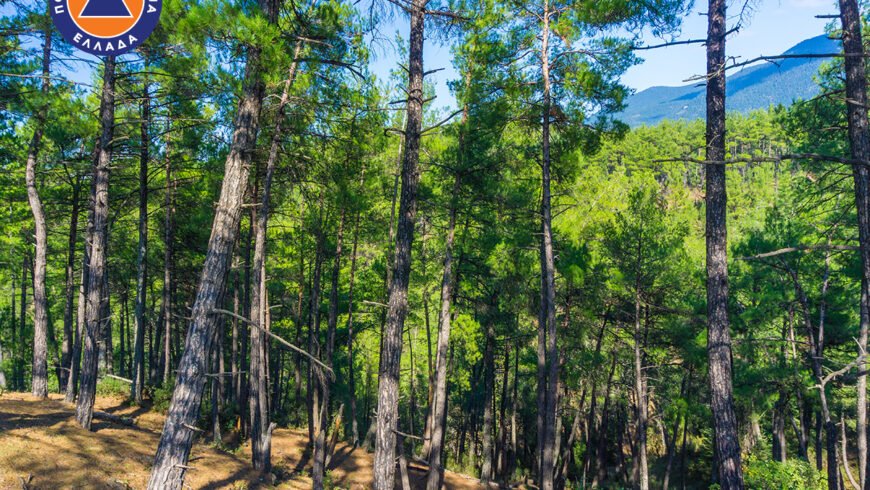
pixel 312 394
pixel 640 398
pixel 39 385
pixel 719 337
pixel 816 358
pixel 322 381
pixel 170 462
pixel 70 332
pixel 488 382
pixel 391 353
pixel 138 375
pixel 600 451
pixel 780 443
pixel 97 261
pixel 351 371
pixel 81 307
pixel 168 239
pixel 548 279
pixel 435 475
pixel 261 428
pixel 22 324
pixel 859 143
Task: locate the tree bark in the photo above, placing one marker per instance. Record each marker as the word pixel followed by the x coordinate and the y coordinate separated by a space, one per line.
pixel 39 385
pixel 170 462
pixel 719 337
pixel 261 428
pixel 97 261
pixel 435 475
pixel 322 382
pixel 81 307
pixel 859 143
pixel 488 382
pixel 391 353
pixel 351 371
pixel 138 374
pixel 548 279
pixel 168 239
pixel 70 333
pixel 816 358
pixel 640 396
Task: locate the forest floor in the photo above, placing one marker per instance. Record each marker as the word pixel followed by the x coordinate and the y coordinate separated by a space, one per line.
pixel 41 446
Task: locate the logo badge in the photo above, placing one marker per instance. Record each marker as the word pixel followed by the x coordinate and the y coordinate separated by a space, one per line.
pixel 105 27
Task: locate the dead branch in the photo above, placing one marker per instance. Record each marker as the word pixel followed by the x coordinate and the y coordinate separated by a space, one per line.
pixel 279 339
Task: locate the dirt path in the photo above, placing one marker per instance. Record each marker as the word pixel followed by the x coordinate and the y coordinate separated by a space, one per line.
pixel 41 438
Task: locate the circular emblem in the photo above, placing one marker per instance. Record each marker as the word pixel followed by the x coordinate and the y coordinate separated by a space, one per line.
pixel 105 27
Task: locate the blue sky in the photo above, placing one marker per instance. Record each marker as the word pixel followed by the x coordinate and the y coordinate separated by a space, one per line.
pixel 771 27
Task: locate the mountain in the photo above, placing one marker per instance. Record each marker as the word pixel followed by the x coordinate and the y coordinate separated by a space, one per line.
pixel 755 87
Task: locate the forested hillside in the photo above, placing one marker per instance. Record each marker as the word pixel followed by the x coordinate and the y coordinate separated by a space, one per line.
pixel 761 85
pixel 237 231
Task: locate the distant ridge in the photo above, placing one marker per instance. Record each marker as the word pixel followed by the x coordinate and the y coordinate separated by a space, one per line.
pixel 756 87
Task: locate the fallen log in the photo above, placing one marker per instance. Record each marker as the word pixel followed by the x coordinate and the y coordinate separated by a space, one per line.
pixel 115 419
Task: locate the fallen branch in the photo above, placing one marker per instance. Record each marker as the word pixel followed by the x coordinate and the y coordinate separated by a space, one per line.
pixel 117 419
pixel 119 378
pixel 799 248
pixel 279 339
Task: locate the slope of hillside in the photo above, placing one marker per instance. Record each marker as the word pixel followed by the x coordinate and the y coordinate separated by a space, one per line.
pixel 755 87
pixel 41 446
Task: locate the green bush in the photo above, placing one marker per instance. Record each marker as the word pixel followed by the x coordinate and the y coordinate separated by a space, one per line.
pixel 161 396
pixel 112 387
pixel 794 474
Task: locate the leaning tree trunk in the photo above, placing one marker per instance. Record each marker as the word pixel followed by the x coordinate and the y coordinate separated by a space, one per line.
pixel 138 374
pixel 435 475
pixel 261 428
pixel 170 462
pixel 719 338
pixel 859 142
pixel 397 310
pixel 39 386
pixel 548 279
pixel 97 262
pixel 816 359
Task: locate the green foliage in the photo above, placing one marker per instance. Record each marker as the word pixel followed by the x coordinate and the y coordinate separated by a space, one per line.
pixel 113 387
pixel 794 474
pixel 161 396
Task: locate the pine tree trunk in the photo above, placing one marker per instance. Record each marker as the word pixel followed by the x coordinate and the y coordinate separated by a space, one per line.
pixel 39 385
pixel 719 337
pixel 138 374
pixel 322 382
pixel 168 240
pixel 548 280
pixel 859 143
pixel 70 332
pixel 312 394
pixel 640 398
pixel 261 428
pixel 81 307
pixel 173 451
pixel 97 261
pixel 391 353
pixel 108 343
pixel 488 382
pixel 438 418
pixel 351 371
